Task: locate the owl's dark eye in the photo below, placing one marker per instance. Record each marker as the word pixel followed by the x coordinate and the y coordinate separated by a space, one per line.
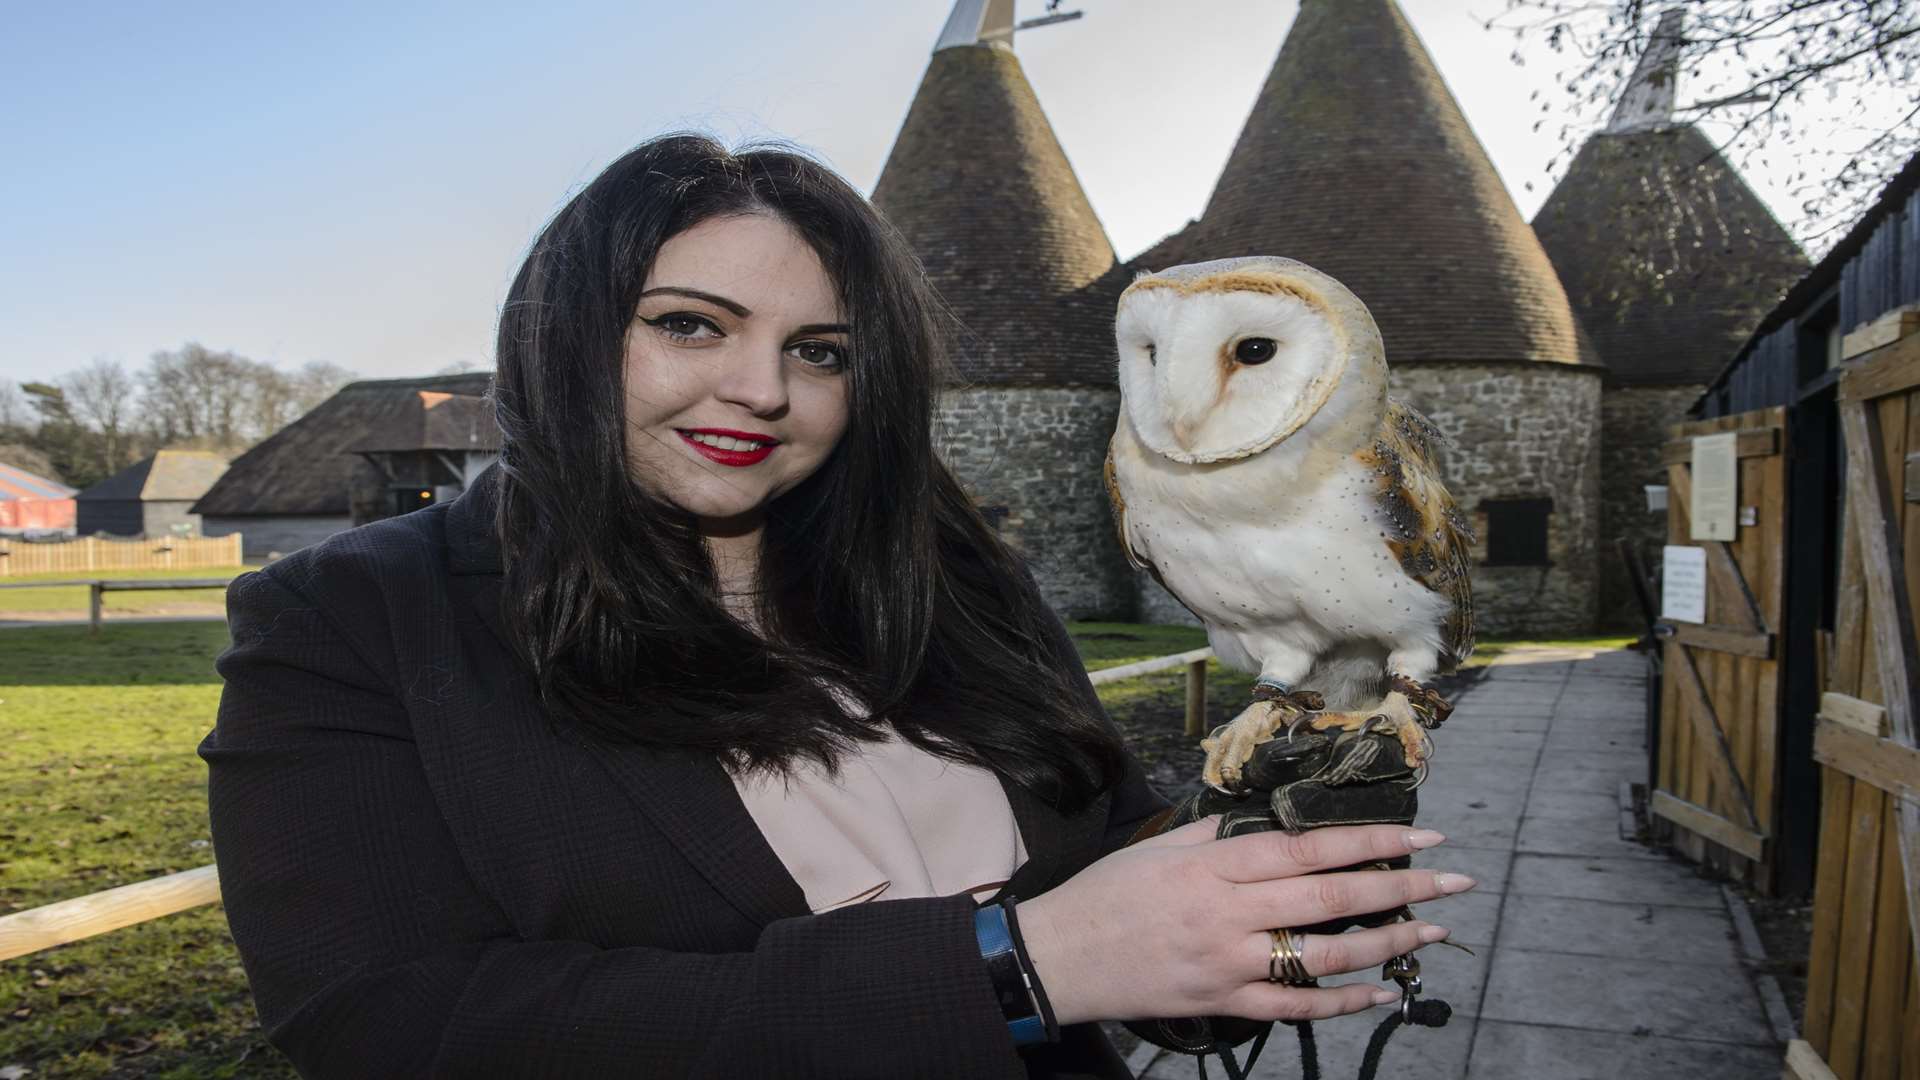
pixel 1255 350
pixel 1153 356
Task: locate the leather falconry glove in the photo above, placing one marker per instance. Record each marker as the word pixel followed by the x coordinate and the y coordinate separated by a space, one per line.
pixel 1305 782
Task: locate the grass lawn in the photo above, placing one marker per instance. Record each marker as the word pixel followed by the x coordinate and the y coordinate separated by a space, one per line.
pixel 100 786
pixel 73 598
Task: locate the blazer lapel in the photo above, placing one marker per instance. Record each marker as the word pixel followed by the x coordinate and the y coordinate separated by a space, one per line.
pixel 693 801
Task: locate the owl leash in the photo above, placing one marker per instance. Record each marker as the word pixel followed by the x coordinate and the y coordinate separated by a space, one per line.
pixel 1403 970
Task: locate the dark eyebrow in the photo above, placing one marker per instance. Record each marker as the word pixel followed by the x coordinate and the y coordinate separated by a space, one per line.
pixel 823 328
pixel 717 301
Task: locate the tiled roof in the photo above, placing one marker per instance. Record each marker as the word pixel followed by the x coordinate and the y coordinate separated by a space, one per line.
pixel 1668 257
pixel 304 468
pixel 980 189
pixel 18 483
pixel 1357 160
pixel 170 475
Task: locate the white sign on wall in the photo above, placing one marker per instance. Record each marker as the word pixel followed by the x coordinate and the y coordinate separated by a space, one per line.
pixel 1716 486
pixel 1683 584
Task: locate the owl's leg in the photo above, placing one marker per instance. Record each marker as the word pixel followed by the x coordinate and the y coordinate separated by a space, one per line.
pixel 1265 689
pixel 1281 669
pixel 1276 705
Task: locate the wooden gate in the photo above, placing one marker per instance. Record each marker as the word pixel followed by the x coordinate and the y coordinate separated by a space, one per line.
pixel 1863 986
pixel 1718 754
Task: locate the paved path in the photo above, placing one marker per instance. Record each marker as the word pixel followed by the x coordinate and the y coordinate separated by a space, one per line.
pixel 1595 957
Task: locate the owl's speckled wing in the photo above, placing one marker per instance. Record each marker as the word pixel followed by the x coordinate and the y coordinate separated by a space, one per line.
pixel 1429 536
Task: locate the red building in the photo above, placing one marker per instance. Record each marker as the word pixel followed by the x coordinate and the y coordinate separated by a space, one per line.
pixel 33 502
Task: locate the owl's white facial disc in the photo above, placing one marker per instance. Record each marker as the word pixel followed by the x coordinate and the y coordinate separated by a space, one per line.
pixel 1216 374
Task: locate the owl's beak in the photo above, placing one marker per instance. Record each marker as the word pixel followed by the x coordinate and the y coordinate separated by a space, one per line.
pixel 1183 429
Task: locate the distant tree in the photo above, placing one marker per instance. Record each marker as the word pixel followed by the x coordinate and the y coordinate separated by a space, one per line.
pixel 65 443
pixel 1759 66
pixel 103 397
pixel 315 382
pixel 195 396
pixel 15 415
pixel 22 456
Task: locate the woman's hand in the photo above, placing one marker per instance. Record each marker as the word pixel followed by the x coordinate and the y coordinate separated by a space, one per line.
pixel 1176 925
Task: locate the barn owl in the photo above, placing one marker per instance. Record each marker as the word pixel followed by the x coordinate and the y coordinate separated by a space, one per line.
pixel 1260 472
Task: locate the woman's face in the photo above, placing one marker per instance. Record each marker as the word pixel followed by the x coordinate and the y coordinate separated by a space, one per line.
pixel 734 385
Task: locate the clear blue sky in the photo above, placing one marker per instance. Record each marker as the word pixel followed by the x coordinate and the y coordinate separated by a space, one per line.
pixel 355 182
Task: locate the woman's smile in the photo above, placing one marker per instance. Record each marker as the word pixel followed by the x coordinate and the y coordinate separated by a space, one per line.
pixel 738 449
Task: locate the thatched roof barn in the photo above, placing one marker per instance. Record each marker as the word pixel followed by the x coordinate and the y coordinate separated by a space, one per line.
pixel 294 488
pixel 151 497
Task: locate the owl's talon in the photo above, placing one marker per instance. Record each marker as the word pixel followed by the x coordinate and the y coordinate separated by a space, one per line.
pixel 1428 706
pixel 1419 777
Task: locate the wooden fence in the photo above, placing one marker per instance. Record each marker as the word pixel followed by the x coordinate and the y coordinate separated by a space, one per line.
pixel 1863 983
pixel 1715 786
pixel 92 553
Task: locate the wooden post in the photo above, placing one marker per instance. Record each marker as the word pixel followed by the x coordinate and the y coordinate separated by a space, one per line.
pixel 1871 505
pixel 93 604
pixel 90 544
pixel 1196 698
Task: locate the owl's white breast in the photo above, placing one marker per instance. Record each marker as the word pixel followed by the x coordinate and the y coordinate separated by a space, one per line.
pixel 1283 555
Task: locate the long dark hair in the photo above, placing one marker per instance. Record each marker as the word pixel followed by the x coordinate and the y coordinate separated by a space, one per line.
pixel 878 575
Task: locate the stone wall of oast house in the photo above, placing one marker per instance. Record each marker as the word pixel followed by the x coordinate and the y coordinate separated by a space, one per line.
pixel 1635 424
pixel 1521 430
pixel 1033 459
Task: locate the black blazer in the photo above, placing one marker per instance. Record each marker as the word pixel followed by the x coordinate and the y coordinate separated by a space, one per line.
pixel 424 877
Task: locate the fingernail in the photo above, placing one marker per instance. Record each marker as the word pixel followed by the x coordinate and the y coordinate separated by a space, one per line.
pixel 1431 934
pixel 1453 883
pixel 1385 997
pixel 1421 839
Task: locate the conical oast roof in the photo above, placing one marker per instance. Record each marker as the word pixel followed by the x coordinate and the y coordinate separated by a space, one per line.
pixel 1358 161
pixel 1668 257
pixel 978 185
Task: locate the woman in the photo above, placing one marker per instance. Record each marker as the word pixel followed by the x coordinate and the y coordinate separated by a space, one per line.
pixel 509 786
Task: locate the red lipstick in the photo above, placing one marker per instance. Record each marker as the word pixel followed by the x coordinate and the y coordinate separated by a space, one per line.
pixel 739 456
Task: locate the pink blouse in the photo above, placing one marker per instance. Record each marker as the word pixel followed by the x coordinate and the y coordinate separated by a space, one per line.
pixel 898 823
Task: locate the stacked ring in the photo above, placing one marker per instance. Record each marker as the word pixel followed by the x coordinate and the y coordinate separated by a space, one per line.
pixel 1287 964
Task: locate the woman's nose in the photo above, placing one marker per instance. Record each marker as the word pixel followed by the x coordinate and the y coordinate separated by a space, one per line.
pixel 755 379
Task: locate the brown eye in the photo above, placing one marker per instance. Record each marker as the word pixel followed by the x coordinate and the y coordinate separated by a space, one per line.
pixel 1255 350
